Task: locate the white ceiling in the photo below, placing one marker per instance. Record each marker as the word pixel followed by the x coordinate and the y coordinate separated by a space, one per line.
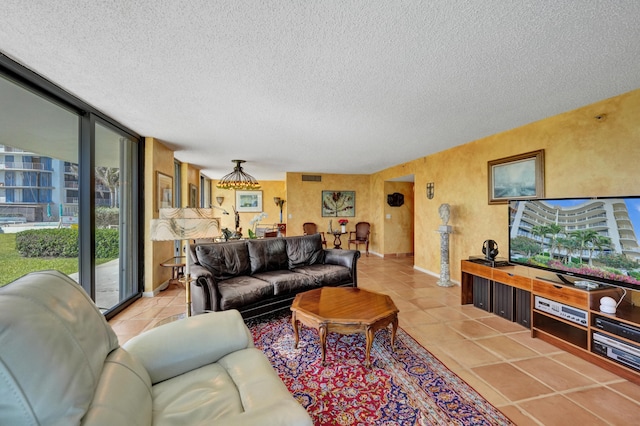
pixel 326 86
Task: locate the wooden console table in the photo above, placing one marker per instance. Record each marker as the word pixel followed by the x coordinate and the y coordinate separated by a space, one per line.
pixel 511 292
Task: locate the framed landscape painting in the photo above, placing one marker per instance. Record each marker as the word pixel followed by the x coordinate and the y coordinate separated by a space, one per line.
pixel 338 203
pixel 249 201
pixel 517 177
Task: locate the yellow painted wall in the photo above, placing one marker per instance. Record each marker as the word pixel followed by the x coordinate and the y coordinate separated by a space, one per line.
pixel 158 158
pixel 304 201
pixel 398 221
pixel 585 155
pixel 269 190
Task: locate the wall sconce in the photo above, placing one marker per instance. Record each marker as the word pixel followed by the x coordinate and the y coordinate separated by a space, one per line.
pixel 219 200
pixel 430 190
pixel 279 202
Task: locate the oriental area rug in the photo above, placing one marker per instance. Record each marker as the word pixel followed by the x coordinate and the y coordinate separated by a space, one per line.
pixel 408 386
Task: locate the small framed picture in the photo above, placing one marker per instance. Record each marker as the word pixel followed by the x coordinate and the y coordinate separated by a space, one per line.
pixel 193 196
pixel 164 191
pixel 517 177
pixel 249 201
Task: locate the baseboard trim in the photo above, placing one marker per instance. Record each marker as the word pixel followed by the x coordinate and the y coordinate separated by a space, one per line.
pixel 157 290
pixel 398 255
pixel 433 274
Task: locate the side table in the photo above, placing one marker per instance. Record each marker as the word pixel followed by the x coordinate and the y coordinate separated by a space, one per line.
pixel 336 239
pixel 177 265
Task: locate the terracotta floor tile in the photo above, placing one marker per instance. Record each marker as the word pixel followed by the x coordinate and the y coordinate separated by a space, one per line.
pixel 517 416
pixel 584 367
pixel 631 390
pixel 129 327
pixel 507 348
pixel 428 303
pixel 490 394
pixel 540 346
pixel 434 333
pixel 511 382
pixel 473 312
pixel 417 317
pixel 472 329
pixel 403 305
pixel 501 324
pixel 553 374
pixel 447 314
pixel 556 410
pixel 467 353
pixel 607 404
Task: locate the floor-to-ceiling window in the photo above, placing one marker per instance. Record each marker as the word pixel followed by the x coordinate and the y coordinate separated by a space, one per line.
pixel 67 174
pixel 116 215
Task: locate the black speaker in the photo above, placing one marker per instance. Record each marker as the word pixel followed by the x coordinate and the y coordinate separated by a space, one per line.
pixel 490 249
pixel 395 200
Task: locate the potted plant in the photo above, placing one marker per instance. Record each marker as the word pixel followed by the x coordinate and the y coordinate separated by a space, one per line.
pixel 343 225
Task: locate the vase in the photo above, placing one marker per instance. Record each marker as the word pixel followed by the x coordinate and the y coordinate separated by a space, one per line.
pixel 343 228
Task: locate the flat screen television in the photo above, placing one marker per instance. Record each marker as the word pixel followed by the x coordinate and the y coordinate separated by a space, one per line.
pixel 578 239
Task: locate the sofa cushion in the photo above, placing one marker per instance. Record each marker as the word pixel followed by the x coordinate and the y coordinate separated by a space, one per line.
pixel 305 250
pixel 224 260
pixel 243 290
pixel 286 281
pixel 331 275
pixel 269 254
pixel 229 392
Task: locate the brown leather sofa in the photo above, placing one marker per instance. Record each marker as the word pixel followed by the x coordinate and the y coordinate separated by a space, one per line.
pixel 260 276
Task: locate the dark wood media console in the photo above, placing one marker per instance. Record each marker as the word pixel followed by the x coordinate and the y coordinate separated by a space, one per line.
pixel 510 292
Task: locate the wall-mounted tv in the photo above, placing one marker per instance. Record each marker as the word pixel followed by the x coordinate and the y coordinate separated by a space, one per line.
pixel 593 239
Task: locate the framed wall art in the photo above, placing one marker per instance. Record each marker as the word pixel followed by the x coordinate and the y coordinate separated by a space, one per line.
pixel 164 191
pixel 517 177
pixel 193 196
pixel 338 203
pixel 249 201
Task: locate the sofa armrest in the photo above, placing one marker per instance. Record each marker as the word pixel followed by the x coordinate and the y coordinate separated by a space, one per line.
pixel 184 345
pixel 204 290
pixel 348 258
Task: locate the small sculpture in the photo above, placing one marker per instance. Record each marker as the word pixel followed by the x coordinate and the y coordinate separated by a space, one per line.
pixel 444 211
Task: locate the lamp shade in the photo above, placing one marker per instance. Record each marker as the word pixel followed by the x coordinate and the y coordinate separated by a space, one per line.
pixel 184 224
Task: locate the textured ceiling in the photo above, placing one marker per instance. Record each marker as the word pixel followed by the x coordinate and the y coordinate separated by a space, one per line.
pixel 326 86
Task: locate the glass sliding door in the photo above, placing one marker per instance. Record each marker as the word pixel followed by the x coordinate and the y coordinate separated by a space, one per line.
pixel 115 217
pixel 69 190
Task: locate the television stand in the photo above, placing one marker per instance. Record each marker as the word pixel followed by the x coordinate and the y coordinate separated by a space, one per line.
pixel 565 315
pixel 493 263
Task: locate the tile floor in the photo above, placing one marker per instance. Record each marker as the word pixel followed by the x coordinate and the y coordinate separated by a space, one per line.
pixel 532 382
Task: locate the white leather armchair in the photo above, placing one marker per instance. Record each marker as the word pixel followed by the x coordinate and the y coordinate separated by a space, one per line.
pixel 60 364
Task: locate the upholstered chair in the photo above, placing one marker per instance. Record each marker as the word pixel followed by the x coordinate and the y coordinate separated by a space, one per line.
pixel 310 228
pixel 360 236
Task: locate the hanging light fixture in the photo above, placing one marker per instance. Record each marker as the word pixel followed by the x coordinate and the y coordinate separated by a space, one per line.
pixel 238 179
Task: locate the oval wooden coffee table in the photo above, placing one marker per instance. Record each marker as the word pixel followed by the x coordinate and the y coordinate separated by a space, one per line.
pixel 344 310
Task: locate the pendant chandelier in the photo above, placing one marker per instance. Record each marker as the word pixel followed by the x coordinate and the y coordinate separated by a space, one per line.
pixel 238 179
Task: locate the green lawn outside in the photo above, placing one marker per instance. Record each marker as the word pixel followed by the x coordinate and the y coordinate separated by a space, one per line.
pixel 13 265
